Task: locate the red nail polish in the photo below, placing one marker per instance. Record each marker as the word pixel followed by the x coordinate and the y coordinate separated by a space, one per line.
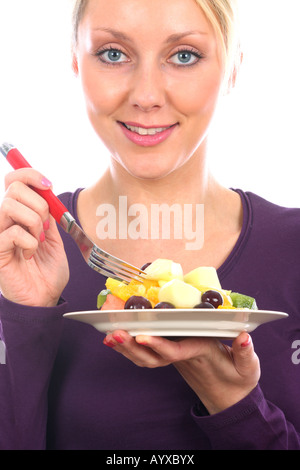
pixel 118 339
pixel 110 344
pixel 46 225
pixel 246 343
pixel 42 237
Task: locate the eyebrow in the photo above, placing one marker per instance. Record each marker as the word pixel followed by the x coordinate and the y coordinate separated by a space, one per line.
pixel 172 38
pixel 115 33
pixel 178 36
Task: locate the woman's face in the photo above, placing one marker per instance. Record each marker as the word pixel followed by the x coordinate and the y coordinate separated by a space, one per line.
pixel 151 74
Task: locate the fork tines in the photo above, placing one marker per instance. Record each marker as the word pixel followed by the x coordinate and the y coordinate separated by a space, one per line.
pixel 111 266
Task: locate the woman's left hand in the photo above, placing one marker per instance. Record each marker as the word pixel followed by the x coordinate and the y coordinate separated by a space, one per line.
pixel 220 375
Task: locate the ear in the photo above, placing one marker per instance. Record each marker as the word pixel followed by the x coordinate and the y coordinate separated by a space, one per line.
pixel 236 69
pixel 234 74
pixel 74 63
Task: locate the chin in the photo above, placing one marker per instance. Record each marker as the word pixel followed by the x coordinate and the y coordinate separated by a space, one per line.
pixel 149 165
pixel 149 172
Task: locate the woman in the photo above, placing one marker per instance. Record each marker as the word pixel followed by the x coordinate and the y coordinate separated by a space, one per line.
pixel 152 74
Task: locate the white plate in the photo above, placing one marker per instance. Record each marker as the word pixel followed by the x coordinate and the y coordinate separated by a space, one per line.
pixel 178 322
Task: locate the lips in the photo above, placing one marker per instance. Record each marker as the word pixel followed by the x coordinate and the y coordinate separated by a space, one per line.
pixel 146 136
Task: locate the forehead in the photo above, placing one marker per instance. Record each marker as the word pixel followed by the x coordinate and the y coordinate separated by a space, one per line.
pixel 150 18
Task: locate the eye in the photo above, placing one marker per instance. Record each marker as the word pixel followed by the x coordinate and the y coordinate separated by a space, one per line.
pixel 185 57
pixel 112 56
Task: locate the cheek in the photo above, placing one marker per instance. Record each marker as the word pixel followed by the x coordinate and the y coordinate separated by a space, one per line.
pixel 103 92
pixel 197 96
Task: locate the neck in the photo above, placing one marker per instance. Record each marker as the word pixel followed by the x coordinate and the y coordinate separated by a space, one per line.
pixel 192 183
pixel 189 195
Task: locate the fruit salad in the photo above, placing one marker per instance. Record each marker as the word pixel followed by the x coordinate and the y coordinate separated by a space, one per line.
pixel 165 286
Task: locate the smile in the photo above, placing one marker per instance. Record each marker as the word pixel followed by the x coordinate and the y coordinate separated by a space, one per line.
pixel 145 131
pixel 146 136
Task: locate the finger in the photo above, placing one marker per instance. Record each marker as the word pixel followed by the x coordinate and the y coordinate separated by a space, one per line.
pixel 181 350
pixel 28 176
pixel 16 237
pixel 27 196
pixel 140 355
pixel 19 192
pixel 13 212
pixel 162 347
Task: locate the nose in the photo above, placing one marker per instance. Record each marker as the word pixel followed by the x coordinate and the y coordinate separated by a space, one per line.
pixel 147 87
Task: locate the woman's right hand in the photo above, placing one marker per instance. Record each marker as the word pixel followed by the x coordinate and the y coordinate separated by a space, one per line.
pixel 33 264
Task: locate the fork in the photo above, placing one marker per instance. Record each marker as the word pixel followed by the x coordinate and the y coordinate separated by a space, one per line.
pixel 97 259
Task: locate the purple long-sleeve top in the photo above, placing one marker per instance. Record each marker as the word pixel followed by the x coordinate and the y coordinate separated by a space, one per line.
pixel 61 388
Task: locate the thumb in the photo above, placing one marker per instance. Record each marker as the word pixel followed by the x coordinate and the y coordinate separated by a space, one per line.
pixel 244 356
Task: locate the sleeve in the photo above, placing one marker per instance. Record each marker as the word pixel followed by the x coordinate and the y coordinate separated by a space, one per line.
pixel 29 338
pixel 251 424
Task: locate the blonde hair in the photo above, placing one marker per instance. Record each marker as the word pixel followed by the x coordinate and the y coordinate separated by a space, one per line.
pixel 78 12
pixel 222 14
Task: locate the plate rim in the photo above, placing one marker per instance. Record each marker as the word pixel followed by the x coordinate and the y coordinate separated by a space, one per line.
pixel 178 310
pixel 185 326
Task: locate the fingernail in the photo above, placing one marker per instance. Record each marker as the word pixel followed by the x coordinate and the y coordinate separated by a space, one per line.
pixel 142 340
pixel 118 339
pixel 246 343
pixel 110 344
pixel 46 225
pixel 42 237
pixel 46 182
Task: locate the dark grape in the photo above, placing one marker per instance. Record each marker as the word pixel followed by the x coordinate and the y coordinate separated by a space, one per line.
pixel 137 302
pixel 164 305
pixel 213 297
pixel 204 305
pixel 145 266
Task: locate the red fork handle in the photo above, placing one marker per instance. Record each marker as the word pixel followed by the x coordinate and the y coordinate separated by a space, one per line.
pixel 57 209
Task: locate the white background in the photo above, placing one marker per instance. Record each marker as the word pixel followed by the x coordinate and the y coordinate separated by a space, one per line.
pixel 254 141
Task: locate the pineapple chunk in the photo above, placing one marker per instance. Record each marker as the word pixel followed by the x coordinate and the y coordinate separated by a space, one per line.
pixel 162 283
pixel 203 276
pixel 112 284
pixel 164 270
pixel 180 294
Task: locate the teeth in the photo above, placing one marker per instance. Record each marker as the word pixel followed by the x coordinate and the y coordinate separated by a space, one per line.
pixel 143 131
